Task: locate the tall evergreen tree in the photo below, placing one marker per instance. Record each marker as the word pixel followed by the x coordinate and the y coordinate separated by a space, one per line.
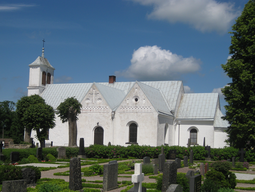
pixel 240 93
pixel 6 117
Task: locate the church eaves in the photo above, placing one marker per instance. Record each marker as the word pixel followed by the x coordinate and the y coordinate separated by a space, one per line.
pixel 41 61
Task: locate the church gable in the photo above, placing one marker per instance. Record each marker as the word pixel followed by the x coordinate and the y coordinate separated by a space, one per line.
pixel 94 102
pixel 136 101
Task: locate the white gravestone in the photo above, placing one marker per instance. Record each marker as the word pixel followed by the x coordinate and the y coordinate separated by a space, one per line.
pixel 138 177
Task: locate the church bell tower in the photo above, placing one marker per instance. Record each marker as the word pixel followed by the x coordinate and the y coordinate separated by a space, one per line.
pixel 41 73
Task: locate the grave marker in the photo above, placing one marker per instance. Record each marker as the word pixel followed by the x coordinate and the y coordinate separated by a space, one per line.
pixel 189 142
pixel 174 188
pixel 14 186
pixel 189 174
pixel 155 169
pixel 137 178
pixel 81 153
pixel 208 155
pixel 202 169
pixel 75 182
pixel 39 154
pixel 206 167
pixel 185 161
pixel 169 174
pixel 195 183
pixel 29 175
pixel 233 161
pixel 241 152
pixel 172 154
pixel 162 150
pixel 14 157
pixel 161 160
pixel 178 163
pixel 110 178
pixel 61 153
pixel 146 160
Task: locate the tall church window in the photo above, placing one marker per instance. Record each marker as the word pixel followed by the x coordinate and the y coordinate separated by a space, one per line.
pixel 48 78
pixel 99 136
pixel 133 133
pixel 44 78
pixel 193 136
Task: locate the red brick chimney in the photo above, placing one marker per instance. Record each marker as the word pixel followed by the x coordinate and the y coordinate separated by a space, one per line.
pixel 112 79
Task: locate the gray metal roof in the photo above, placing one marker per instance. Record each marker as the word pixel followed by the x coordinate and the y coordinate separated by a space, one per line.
pixel 198 105
pixel 41 61
pixel 219 122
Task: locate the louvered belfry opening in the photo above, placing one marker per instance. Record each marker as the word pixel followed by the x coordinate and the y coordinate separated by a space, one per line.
pixel 48 78
pixel 44 78
pixel 99 136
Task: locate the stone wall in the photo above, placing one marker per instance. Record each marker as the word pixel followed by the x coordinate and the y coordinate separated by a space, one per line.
pixel 19 146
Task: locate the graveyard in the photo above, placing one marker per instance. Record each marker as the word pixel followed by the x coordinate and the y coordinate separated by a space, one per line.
pixel 132 168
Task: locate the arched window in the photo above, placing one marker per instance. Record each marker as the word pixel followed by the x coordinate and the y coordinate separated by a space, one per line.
pixel 48 78
pixel 193 136
pixel 99 136
pixel 133 133
pixel 44 78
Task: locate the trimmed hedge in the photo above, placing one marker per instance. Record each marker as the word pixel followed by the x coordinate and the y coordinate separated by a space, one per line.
pixel 136 151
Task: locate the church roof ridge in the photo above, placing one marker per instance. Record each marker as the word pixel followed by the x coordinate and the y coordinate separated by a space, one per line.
pixel 41 61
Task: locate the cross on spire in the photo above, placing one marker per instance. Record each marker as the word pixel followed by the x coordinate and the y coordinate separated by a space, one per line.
pixel 43 42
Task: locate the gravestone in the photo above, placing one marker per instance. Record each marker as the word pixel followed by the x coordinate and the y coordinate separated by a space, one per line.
pixel 75 182
pixel 162 150
pixel 1 146
pixel 172 154
pixel 241 152
pixel 228 160
pixel 110 178
pixel 174 188
pixel 137 178
pixel 202 169
pixel 61 153
pixel 146 160
pixel 39 154
pixel 178 163
pixel 14 186
pixel 206 167
pixel 189 142
pixel 14 157
pixel 208 155
pixel 51 143
pixel 169 174
pixel 204 142
pixel 155 161
pixel 161 160
pixel 195 183
pixel 189 174
pixel 233 161
pixel 191 157
pixel 29 175
pixel 81 153
pixel 109 144
pixel 155 169
pixel 185 161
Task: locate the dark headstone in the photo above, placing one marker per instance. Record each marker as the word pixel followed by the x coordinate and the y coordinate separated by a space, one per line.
pixel 75 182
pixel 174 188
pixel 208 153
pixel 51 143
pixel 191 157
pixel 162 150
pixel 81 153
pixel 169 175
pixel 189 174
pixel 178 162
pixel 204 142
pixel 146 160
pixel 14 186
pixel 206 167
pixel 228 160
pixel 39 154
pixel 172 154
pixel 233 161
pixel 185 161
pixel 29 175
pixel 14 157
pixel 189 142
pixel 161 160
pixel 195 183
pixel 113 162
pixel 202 169
pixel 241 152
pixel 1 147
pixel 155 169
pixel 61 153
pixel 110 179
pixel 133 189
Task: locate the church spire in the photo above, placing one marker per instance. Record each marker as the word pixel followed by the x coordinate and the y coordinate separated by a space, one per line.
pixel 43 49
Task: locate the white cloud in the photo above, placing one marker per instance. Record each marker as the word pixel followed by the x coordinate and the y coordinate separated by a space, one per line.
pixel 154 63
pixel 203 15
pixel 13 7
pixel 187 89
pixel 218 90
pixel 62 79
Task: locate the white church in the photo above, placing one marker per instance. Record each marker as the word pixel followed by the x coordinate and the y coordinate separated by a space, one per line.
pixel 140 112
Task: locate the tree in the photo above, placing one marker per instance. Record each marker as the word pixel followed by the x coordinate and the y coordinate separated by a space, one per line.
pixel 22 105
pixel 240 93
pixel 6 117
pixel 68 111
pixel 39 117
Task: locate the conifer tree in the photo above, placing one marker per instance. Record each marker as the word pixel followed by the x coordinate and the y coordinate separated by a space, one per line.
pixel 240 93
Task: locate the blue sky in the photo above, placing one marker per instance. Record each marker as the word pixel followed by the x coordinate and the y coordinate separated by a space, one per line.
pixel 86 41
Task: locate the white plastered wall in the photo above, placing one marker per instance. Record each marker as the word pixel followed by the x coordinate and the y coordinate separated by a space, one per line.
pixel 220 136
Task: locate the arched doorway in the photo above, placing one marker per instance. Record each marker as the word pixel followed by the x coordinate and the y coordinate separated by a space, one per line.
pixel 99 136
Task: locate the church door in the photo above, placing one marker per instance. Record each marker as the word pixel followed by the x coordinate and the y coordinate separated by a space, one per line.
pixel 99 136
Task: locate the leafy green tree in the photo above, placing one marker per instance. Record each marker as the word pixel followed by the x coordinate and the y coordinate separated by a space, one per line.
pixel 68 111
pixel 17 130
pixel 240 93
pixel 6 117
pixel 22 105
pixel 39 117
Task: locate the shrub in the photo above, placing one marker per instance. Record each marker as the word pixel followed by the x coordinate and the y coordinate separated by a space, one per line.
pixel 218 178
pixel 97 169
pixel 88 172
pixel 226 190
pixel 10 172
pixel 24 161
pixel 246 165
pixel 222 166
pixel 32 159
pixel 159 182
pixel 232 180
pixel 49 187
pixel 209 186
pixel 50 157
pixel 147 168
pixel 183 181
pixel 239 165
